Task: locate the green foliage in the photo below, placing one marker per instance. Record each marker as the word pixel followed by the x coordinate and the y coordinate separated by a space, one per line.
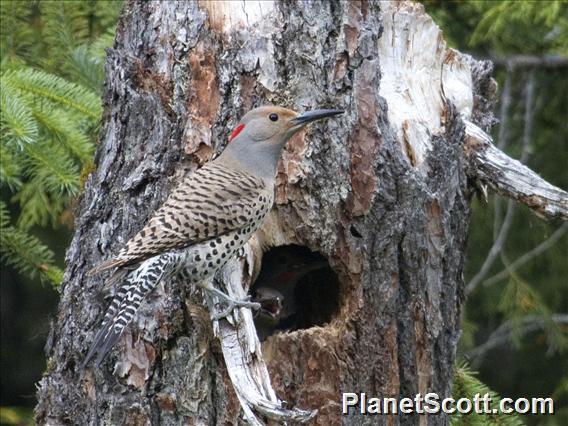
pixel 51 73
pixel 467 385
pixel 519 300
pixel 17 36
pixel 504 27
pixel 543 25
pixel 25 252
pixel 44 34
pixel 16 416
pixel 47 126
pixel 86 67
pixel 50 91
pixel 561 412
pixel 66 26
pixel 17 120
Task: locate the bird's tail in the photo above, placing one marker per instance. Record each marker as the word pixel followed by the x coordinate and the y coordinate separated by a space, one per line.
pixel 106 334
pixel 123 308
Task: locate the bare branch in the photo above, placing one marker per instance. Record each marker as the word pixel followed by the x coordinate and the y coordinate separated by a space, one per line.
pixel 502 143
pixel 526 61
pixel 528 118
pixel 541 248
pixel 511 178
pixel 504 113
pixel 503 333
pixel 494 251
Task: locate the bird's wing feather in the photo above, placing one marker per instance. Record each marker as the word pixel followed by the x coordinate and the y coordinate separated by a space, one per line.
pixel 211 202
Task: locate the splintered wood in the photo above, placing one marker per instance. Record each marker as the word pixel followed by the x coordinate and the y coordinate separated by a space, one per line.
pixel 511 178
pixel 241 348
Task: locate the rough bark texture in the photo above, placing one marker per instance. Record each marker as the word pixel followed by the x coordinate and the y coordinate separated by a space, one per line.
pixel 389 210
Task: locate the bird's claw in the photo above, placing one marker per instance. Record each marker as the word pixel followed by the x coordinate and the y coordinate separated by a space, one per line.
pixel 233 304
pixel 229 302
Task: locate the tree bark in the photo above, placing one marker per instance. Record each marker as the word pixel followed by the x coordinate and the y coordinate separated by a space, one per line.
pixel 383 194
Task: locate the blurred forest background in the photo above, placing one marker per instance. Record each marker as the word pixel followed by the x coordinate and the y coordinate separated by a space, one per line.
pixel 515 323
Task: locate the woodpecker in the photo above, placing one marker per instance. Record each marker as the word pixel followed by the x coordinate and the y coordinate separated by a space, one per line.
pixel 206 219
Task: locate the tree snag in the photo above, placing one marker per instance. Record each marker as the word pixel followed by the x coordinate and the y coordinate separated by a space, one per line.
pixel 381 194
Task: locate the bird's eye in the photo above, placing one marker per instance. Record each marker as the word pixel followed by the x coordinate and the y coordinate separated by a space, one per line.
pixel 273 117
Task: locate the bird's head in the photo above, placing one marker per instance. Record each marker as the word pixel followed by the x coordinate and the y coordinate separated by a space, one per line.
pixel 271 302
pixel 259 137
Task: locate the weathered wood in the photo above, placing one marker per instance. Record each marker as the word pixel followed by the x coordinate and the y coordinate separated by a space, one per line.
pixel 511 178
pixel 382 193
pixel 241 348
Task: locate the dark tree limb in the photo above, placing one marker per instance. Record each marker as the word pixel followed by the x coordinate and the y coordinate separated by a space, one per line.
pixel 503 334
pixel 531 61
pixel 528 256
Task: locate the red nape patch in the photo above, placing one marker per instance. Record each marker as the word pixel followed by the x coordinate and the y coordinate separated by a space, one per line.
pixel 236 132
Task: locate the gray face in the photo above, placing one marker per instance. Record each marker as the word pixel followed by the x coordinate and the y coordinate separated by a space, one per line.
pixel 258 139
pixel 268 124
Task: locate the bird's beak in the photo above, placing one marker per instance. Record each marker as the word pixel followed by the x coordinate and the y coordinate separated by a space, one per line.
pixel 270 306
pixel 317 114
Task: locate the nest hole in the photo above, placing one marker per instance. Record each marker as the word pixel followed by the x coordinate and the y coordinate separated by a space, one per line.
pixel 296 288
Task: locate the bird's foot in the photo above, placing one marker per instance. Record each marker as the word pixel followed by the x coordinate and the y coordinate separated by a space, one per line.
pixel 229 303
pixel 233 304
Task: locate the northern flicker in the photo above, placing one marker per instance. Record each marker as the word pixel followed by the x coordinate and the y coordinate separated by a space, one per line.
pixel 207 218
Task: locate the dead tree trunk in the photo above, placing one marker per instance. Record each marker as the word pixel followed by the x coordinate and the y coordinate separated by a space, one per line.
pixel 382 195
